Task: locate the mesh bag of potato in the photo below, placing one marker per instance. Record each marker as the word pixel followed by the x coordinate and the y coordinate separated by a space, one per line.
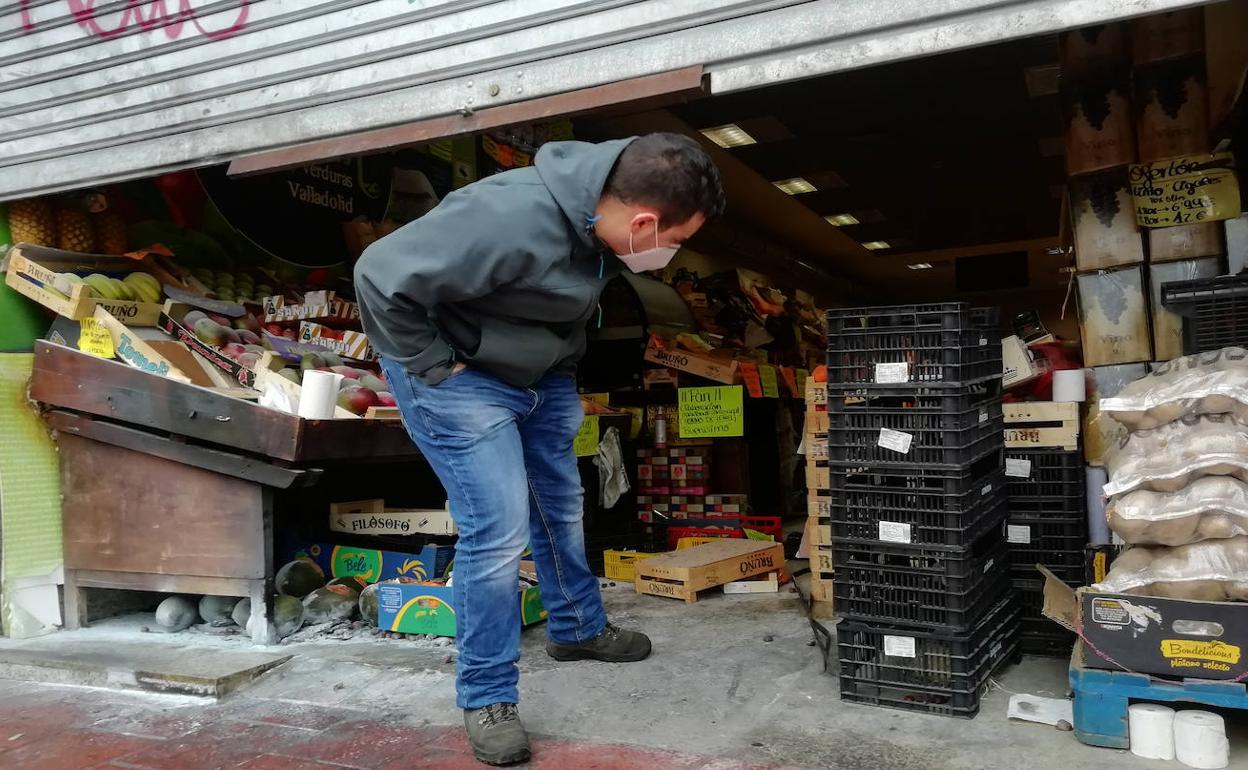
pixel 1169 457
pixel 1211 571
pixel 1210 508
pixel 1205 383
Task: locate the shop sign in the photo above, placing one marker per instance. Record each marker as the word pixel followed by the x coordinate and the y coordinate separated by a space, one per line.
pixel 711 412
pixel 1185 191
pixel 586 442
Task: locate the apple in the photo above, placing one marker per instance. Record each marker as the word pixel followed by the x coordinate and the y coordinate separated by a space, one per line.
pixel 357 400
pixel 223 320
pixel 248 337
pixel 249 360
pixel 372 383
pixel 275 329
pixel 386 398
pixel 350 373
pixel 193 317
pixel 311 361
pixel 234 349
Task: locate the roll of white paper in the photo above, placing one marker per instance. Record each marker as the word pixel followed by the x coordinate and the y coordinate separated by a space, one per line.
pixel 320 394
pixel 1152 730
pixel 1070 385
pixel 1200 740
pixel 1098 525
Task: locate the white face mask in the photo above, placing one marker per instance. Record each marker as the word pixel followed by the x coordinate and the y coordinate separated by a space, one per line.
pixel 650 259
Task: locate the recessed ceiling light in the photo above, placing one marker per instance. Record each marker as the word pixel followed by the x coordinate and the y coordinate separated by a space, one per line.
pixel 842 220
pixel 730 135
pixel 876 245
pixel 795 186
pixel 920 266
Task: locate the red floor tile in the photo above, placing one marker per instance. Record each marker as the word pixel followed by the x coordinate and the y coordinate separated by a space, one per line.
pixel 448 760
pixel 303 715
pixel 219 745
pixel 369 745
pixel 274 762
pixel 72 750
pixel 556 755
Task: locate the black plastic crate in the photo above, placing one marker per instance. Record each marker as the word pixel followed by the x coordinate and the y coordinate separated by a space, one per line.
pixel 929 317
pixel 914 398
pixel 865 524
pixel 890 597
pixel 1214 310
pixel 1054 507
pixel 1053 474
pixel 1056 543
pixel 930 672
pixel 887 497
pixel 953 448
pixel 931 358
pixel 939 480
pixel 1037 634
pixel 918 587
pixel 912 420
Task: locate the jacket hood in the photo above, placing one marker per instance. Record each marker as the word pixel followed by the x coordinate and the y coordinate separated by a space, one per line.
pixel 575 173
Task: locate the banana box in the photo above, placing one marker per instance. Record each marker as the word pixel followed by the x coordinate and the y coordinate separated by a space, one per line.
pixel 74 285
pixel 428 608
pixel 374 566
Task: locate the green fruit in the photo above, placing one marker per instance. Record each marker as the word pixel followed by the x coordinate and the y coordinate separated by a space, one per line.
pixel 102 286
pixel 210 332
pixel 369 604
pixel 372 383
pixel 287 615
pixel 177 613
pixel 215 610
pixel 144 286
pixel 124 289
pixel 325 605
pixel 241 613
pixel 298 578
pixel 291 375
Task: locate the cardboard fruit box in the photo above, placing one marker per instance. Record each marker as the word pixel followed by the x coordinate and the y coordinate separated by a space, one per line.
pixel 426 608
pixel 723 370
pixel 348 344
pixel 33 272
pixel 170 321
pixel 1175 638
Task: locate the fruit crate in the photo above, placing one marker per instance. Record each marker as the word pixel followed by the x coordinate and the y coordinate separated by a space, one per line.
pixel 1214 310
pixel 959 482
pixel 1056 543
pixel 619 565
pixel 910 524
pixel 953 359
pixel 914 399
pixel 919 587
pixel 880 441
pixel 933 672
pixel 911 420
pixel 1037 634
pixel 1045 474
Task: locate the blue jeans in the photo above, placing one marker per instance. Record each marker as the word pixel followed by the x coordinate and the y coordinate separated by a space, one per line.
pixel 504 455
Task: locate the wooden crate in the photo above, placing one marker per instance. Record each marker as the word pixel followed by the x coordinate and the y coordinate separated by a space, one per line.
pixel 682 574
pixel 760 584
pixel 821 588
pixel 1042 424
pixel 818 505
pixel 818 531
pixel 816 424
pixel 33 270
pixel 818 476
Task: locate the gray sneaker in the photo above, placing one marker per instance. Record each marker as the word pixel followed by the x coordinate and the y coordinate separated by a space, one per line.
pixel 496 734
pixel 613 645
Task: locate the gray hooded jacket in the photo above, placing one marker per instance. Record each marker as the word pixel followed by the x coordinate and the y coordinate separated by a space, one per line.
pixel 502 275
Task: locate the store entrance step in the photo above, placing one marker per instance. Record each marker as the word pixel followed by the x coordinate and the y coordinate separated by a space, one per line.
pixel 136 665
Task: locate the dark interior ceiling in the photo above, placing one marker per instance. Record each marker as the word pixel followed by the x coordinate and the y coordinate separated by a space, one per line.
pixel 935 153
pixel 939 157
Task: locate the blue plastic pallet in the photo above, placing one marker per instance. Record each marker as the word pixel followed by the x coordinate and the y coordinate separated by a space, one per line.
pixel 1101 699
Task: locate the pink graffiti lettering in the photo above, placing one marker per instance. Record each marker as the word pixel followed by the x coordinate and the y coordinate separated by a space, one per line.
pixel 158 15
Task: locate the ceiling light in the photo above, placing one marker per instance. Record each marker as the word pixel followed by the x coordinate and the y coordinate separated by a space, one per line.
pixel 730 135
pixel 842 220
pixel 920 266
pixel 876 245
pixel 794 186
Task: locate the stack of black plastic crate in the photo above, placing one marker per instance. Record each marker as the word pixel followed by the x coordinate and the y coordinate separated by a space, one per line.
pixel 1048 520
pixel 915 450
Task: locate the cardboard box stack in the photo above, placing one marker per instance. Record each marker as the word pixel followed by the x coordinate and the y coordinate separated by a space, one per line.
pixel 818 491
pixel 917 504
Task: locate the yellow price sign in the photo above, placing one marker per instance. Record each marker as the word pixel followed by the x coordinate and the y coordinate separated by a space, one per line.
pixel 771 385
pixel 96 339
pixel 1185 191
pixel 711 412
pixel 586 442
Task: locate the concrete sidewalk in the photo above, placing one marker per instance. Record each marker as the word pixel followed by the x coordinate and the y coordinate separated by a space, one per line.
pixel 733 684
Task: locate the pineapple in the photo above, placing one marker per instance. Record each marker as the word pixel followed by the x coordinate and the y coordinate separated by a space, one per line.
pixel 73 231
pixel 32 221
pixel 110 233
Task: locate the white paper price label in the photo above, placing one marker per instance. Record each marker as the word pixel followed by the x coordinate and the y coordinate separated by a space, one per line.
pixel 986 490
pixel 983 416
pixel 894 532
pixel 1018 467
pixel 895 440
pixel 899 646
pixel 1018 533
pixel 889 374
pixel 983 341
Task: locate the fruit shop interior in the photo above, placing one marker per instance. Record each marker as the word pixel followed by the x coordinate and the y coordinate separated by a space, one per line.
pixel 977 177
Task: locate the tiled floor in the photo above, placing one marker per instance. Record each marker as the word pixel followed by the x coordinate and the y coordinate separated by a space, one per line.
pixel 45 727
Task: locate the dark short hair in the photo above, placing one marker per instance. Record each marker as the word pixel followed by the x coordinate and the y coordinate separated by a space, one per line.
pixel 670 172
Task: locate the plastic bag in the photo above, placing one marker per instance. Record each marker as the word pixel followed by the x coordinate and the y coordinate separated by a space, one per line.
pixel 1211 571
pixel 1205 383
pixel 1169 457
pixel 1210 508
